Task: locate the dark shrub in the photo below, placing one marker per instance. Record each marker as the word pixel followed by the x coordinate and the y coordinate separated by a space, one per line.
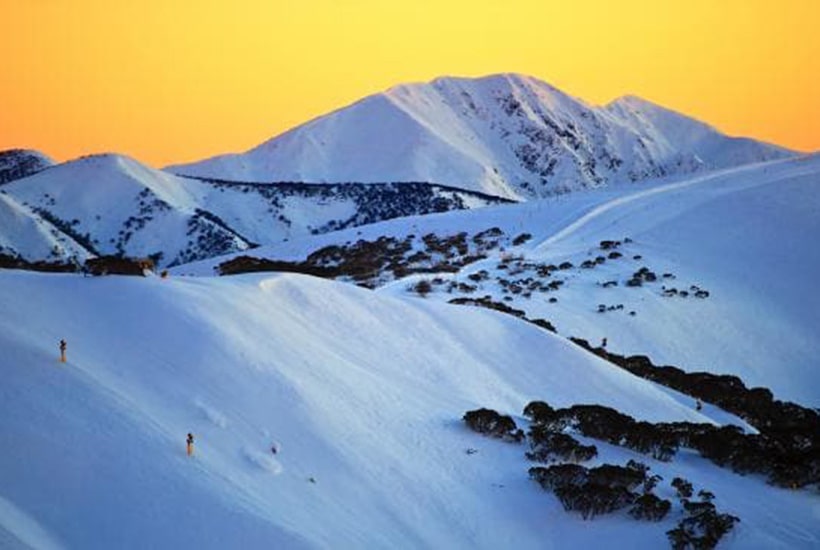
pixel 115 265
pixel 559 475
pixel 548 446
pixel 521 239
pixel 610 475
pixel 423 287
pixel 648 507
pixel 683 487
pixel 592 500
pixel 703 531
pixel 489 422
pixel 539 411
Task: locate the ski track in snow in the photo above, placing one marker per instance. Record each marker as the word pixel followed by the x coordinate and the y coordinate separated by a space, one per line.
pixel 24 530
pixel 598 211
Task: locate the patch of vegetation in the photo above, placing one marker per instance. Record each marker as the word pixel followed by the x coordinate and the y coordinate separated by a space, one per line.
pixel 521 239
pixel 370 263
pixel 487 302
pixel 9 261
pixel 118 265
pixel 83 239
pixel 489 422
pixel 606 488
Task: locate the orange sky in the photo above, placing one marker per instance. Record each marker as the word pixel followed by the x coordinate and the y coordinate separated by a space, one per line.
pixel 174 81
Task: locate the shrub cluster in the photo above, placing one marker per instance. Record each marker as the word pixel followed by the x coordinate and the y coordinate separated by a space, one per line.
pixel 601 490
pixel 488 303
pixel 366 262
pixel 549 446
pixel 489 422
pixel 117 265
pixel 607 425
pixel 643 275
pixel 606 488
pixel 787 449
pixel 9 261
pixel 703 526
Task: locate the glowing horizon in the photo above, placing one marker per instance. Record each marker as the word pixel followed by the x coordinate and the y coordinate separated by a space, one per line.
pixel 171 82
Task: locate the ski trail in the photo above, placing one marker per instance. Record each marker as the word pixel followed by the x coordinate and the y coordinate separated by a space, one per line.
pixel 603 208
pixel 24 529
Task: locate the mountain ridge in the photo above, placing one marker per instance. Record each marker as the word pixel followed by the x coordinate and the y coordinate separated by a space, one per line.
pixel 112 204
pixel 507 134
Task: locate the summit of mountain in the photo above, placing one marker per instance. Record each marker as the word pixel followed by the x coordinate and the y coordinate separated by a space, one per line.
pixel 508 135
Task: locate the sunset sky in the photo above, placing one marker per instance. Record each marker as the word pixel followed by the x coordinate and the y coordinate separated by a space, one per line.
pixel 173 81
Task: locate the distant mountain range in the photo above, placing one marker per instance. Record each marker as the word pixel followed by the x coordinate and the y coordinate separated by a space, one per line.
pixel 416 149
pixel 111 204
pixel 508 135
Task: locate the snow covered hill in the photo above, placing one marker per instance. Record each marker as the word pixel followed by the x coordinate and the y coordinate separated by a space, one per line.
pixel 507 135
pixel 25 235
pixel 361 392
pixel 112 204
pixel 744 236
pixel 19 163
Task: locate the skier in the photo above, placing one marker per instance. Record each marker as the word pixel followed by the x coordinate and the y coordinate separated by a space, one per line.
pixel 698 405
pixel 63 346
pixel 190 442
pixel 603 342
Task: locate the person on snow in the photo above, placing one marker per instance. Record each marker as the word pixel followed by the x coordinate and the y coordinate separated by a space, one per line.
pixel 698 405
pixel 190 444
pixel 63 346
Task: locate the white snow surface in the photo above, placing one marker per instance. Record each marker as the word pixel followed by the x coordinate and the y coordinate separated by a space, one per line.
pixel 507 135
pixel 363 392
pixel 26 234
pixel 113 204
pixel 747 235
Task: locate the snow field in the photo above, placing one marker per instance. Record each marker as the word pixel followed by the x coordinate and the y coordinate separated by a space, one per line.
pixel 364 392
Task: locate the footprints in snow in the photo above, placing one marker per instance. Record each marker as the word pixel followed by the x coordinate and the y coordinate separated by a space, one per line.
pixel 263 459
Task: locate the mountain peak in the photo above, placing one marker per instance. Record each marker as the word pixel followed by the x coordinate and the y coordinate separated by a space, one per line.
pixel 505 134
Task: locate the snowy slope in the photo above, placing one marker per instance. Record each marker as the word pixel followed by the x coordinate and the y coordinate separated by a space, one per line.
pixel 745 235
pixel 362 392
pixel 112 204
pixel 676 133
pixel 507 135
pixel 29 236
pixel 19 163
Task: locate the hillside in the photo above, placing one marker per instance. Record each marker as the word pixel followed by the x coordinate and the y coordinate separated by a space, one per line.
pixel 112 204
pixel 743 237
pixel 507 135
pixel 19 163
pixel 361 392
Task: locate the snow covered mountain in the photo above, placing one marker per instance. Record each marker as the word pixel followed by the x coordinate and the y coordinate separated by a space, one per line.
pixel 506 135
pixel 331 416
pixel 112 204
pixel 19 163
pixel 362 392
pixel 745 236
